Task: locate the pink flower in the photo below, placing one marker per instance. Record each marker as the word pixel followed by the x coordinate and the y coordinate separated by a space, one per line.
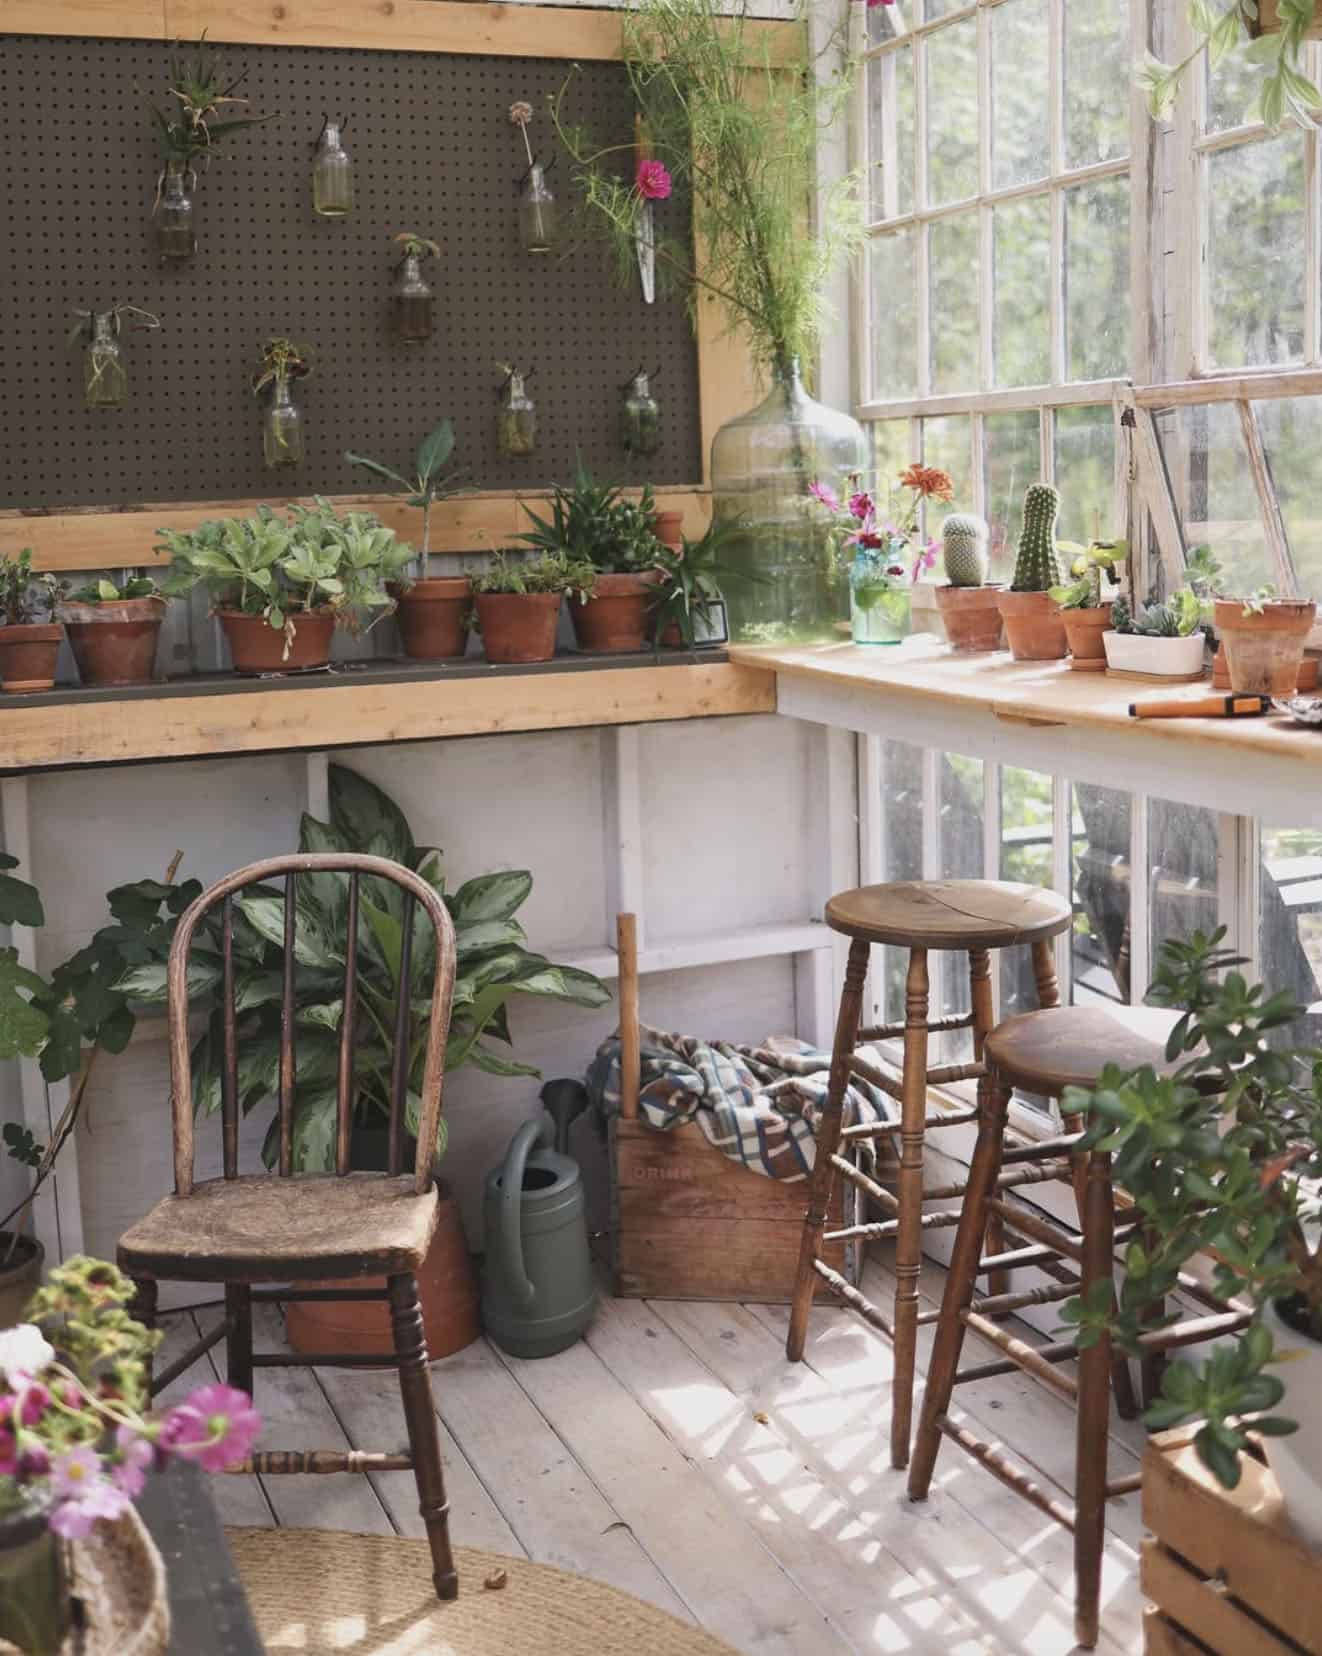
pixel 135 1457
pixel 32 1404
pixel 34 1462
pixel 872 3
pixel 73 1519
pixel 8 1454
pixel 216 1426
pixel 74 1472
pixel 925 559
pixel 651 180
pixel 861 506
pixel 868 540
pixel 827 496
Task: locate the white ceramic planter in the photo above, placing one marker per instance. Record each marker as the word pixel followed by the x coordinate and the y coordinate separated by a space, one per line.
pixel 1162 657
pixel 1296 1461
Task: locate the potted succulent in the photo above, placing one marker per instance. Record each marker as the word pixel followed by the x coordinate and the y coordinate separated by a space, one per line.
pixel 968 601
pixel 594 523
pixel 1263 637
pixel 689 608
pixel 1086 614
pixel 30 636
pixel 113 630
pixel 1166 639
pixel 518 604
pixel 1032 617
pixel 1222 1158
pixel 282 584
pixel 432 611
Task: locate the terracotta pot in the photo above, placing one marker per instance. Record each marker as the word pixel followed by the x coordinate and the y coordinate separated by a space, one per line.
pixel 28 655
pixel 1264 650
pixel 971 616
pixel 447 1290
pixel 433 617
pixel 668 528
pixel 518 626
pixel 20 1278
pixel 257 647
pixel 1083 630
pixel 115 642
pixel 614 619
pixel 1034 628
pixel 1305 684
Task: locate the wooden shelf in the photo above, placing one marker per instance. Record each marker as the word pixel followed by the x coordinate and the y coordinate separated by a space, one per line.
pixel 361 706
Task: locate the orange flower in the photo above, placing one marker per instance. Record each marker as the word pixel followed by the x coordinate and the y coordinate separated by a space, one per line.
pixel 927 480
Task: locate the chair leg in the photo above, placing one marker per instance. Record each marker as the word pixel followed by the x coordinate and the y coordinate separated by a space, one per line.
pixel 420 1418
pixel 909 1234
pixel 984 1016
pixel 1094 1410
pixel 1044 973
pixel 238 1336
pixel 847 1023
pixel 142 1308
pixel 993 1106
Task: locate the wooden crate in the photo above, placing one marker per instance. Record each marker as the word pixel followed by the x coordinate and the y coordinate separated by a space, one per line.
pixel 1223 1569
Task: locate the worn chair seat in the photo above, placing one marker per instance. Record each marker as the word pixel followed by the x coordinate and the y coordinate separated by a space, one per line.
pixel 260 1229
pixel 1070 1046
pixel 949 914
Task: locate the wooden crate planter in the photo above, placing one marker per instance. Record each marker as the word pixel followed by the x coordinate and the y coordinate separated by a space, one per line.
pixel 1222 1569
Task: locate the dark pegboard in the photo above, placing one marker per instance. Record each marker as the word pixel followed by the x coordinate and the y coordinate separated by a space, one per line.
pixel 433 151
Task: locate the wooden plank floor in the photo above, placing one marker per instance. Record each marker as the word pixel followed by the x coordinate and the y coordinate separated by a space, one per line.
pixel 675 1454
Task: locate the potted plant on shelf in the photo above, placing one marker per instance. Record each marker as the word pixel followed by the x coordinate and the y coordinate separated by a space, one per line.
pixel 1222 1157
pixel 1032 617
pixel 1166 639
pixel 1086 614
pixel 30 636
pixel 518 604
pixel 594 524
pixel 432 611
pixel 968 601
pixel 114 630
pixel 282 584
pixel 1263 637
pixel 1270 32
pixel 689 607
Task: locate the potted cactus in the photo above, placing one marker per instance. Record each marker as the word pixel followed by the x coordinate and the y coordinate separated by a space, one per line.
pixel 968 602
pixel 1032 616
pixel 1086 614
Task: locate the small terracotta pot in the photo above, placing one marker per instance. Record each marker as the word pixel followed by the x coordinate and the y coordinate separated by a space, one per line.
pixel 115 642
pixel 1264 651
pixel 518 626
pixel 668 527
pixel 1305 684
pixel 447 1291
pixel 433 617
pixel 1034 628
pixel 1083 630
pixel 971 616
pixel 20 1278
pixel 28 655
pixel 614 619
pixel 257 647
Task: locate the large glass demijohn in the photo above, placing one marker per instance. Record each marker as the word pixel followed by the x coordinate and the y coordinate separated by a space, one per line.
pixel 785 584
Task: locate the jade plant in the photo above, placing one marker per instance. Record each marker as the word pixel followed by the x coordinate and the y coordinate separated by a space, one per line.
pixel 1083 589
pixel 1037 568
pixel 26 599
pixel 430 481
pixel 964 549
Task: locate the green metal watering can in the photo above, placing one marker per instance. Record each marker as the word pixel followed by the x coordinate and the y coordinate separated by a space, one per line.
pixel 538 1293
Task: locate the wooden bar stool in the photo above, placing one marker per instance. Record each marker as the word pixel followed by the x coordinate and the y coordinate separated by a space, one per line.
pixel 974 916
pixel 1045 1052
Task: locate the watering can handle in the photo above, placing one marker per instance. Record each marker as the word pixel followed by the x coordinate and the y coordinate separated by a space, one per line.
pixel 531 1134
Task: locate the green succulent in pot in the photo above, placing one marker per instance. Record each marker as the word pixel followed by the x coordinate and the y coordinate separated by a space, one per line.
pixel 598 523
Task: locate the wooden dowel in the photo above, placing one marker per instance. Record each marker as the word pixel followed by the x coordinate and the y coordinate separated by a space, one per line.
pixel 278 1462
pixel 399 1062
pixel 857 1176
pixel 626 936
pixel 1059 1146
pixel 344 1089
pixel 323 1359
pixel 999 1304
pixel 883 1228
pixel 1198 1329
pixel 877 1078
pixel 1009 1474
pixel 287 1059
pixel 935 1026
pixel 229 1065
pixel 1025 1356
pixel 945 1074
pixel 159 1381
pixel 853 1299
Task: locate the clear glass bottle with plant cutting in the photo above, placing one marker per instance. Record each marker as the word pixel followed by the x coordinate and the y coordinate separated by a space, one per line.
pixel 282 362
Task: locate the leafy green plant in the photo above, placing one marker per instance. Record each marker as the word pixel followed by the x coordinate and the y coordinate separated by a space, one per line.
pixel 1087 565
pixel 595 523
pixel 26 599
pixel 191 131
pixel 552 572
pixel 105 591
pixel 1186 610
pixel 281 359
pixel 693 579
pixel 414 246
pixel 1257 600
pixel 430 482
pixel 1221 1157
pixel 1286 92
pixel 494 965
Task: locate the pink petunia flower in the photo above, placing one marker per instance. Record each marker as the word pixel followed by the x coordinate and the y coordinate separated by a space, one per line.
pixel 136 1455
pixel 826 494
pixel 216 1427
pixel 73 1519
pixel 652 180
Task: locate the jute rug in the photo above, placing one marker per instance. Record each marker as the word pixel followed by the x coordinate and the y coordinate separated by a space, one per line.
pixel 325 1593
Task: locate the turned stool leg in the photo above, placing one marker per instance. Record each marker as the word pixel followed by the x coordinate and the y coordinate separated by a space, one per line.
pixel 1094 1409
pixel 420 1418
pixel 847 1024
pixel 909 1234
pixel 238 1335
pixel 981 1004
pixel 993 1106
pixel 142 1308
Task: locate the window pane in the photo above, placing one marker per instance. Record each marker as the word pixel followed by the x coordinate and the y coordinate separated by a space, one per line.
pixel 891 443
pixel 1097 279
pixel 1020 92
pixel 1181 871
pixel 902 815
pixel 890 134
pixel 1206 462
pixel 1022 249
pixel 1025 855
pixel 948 444
pixel 952 114
pixel 886 23
pixel 1231 90
pixel 1292 436
pixel 953 256
pixel 1099 856
pixel 1255 253
pixel 1012 447
pixel 1085 473
pixel 1290 923
pixel 1097 74
pixel 894 315
pixel 959 838
pixel 932 9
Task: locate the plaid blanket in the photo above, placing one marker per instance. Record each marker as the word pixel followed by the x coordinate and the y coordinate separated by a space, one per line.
pixel 757 1105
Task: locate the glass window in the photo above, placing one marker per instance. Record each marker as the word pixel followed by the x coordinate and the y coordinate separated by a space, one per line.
pixel 1290 921
pixel 1182 872
pixel 952 113
pixel 890 134
pixel 1085 473
pixel 1255 253
pixel 1012 458
pixel 1021 331
pixel 1291 430
pixel 890 448
pixel 1097 279
pixel 1096 83
pixel 1202 445
pixel 902 808
pixel 894 315
pixel 1021 96
pixel 1026 817
pixel 1099 858
pixel 947 444
pixel 960 848
pixel 953 267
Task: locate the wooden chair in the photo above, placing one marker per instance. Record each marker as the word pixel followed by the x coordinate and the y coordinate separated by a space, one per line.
pixel 975 917
pixel 1046 1052
pixel 243 1229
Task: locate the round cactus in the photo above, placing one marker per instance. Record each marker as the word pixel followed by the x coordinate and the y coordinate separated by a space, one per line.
pixel 964 548
pixel 1037 568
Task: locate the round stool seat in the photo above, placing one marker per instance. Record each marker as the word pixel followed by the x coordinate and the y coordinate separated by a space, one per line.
pixel 1070 1046
pixel 949 914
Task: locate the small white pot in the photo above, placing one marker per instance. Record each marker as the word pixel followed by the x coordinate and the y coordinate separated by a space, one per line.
pixel 1296 1461
pixel 1162 657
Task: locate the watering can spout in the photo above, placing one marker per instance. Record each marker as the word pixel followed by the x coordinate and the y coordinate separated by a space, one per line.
pixel 565 1100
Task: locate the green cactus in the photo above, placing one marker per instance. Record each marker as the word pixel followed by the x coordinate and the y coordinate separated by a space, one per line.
pixel 1037 568
pixel 964 548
